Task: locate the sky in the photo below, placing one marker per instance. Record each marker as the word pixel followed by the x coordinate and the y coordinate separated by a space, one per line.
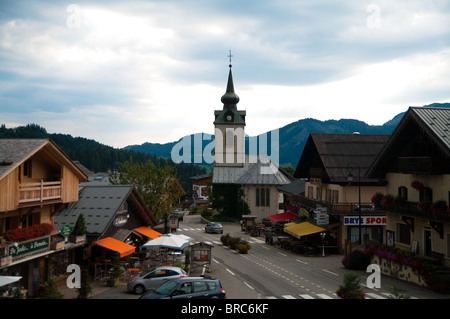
pixel 130 72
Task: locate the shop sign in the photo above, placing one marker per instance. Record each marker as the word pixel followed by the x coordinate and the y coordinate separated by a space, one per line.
pixel 120 220
pixel 29 247
pixel 365 220
pixel 65 230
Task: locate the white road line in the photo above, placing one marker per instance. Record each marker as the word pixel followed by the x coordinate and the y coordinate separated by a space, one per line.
pixel 330 272
pixel 288 297
pixel 370 294
pixel 229 271
pixel 249 286
pixel 301 261
pixel 282 254
pixel 215 261
pixel 306 296
pixel 323 296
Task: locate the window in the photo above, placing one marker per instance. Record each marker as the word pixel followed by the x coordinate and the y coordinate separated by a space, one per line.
pixel 426 195
pixel 186 288
pixel 318 193
pixel 200 286
pixel 335 196
pixel 403 192
pixel 328 195
pixel 404 234
pixel 262 196
pixel 27 168
pixel 211 285
pixel 310 192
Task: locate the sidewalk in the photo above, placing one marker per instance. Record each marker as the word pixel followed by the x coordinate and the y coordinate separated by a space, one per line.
pixel 97 288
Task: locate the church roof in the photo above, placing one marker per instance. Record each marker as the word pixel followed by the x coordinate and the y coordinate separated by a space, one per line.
pixel 257 170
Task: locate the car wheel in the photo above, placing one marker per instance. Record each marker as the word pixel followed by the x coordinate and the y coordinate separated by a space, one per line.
pixel 139 289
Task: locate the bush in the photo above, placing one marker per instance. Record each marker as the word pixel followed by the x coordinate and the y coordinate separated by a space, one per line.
pixel 351 288
pixel 357 261
pixel 243 247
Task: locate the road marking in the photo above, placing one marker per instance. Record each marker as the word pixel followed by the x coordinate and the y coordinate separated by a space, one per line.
pixel 306 296
pixel 229 271
pixel 282 254
pixel 370 294
pixel 330 272
pixel 271 297
pixel 215 261
pixel 301 261
pixel 249 286
pixel 323 296
pixel 288 297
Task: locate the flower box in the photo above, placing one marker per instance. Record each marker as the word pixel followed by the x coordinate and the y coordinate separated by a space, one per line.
pixel 5 260
pixel 77 239
pixel 57 245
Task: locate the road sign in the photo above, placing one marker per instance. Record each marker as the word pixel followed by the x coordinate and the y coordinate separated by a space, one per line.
pixel 65 230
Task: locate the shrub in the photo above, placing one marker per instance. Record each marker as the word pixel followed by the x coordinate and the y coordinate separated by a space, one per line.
pixel 243 247
pixel 351 288
pixel 357 260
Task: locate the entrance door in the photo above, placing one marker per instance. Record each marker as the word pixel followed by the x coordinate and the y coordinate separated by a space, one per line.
pixel 427 246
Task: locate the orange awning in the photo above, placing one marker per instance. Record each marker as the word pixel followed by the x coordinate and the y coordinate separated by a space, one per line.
pixel 150 233
pixel 116 245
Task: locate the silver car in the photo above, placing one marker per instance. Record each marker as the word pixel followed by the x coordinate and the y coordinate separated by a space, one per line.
pixel 154 279
pixel 214 228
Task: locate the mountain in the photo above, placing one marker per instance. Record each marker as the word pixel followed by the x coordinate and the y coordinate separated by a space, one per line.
pixel 292 137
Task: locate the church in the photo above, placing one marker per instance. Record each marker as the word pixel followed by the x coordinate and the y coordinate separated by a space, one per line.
pixel 257 176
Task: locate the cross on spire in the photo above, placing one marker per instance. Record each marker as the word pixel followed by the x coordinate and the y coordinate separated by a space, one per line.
pixel 230 56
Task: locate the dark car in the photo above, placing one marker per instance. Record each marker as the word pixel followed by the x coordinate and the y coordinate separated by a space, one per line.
pixel 188 288
pixel 214 228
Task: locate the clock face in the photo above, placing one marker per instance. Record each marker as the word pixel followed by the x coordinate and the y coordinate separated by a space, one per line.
pixel 229 117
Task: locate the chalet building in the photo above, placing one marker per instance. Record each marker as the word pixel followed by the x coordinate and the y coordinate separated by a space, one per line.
pixel 416 164
pixel 255 174
pixel 36 180
pixel 334 166
pixel 117 220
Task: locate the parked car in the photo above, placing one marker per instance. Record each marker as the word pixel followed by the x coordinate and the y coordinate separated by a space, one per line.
pixel 188 288
pixel 266 222
pixel 154 279
pixel 214 228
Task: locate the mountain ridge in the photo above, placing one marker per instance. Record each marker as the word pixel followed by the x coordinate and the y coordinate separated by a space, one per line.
pixel 293 136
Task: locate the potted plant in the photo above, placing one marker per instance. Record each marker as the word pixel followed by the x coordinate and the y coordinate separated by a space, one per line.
pixel 116 270
pixel 85 285
pixel 439 206
pixel 78 234
pixel 243 247
pixel 351 288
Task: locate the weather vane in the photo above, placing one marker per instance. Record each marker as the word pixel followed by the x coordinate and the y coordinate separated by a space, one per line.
pixel 230 56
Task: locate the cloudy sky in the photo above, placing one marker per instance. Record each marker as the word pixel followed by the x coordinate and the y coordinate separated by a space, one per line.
pixel 129 72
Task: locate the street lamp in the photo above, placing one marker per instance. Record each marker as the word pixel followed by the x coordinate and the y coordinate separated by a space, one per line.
pixel 350 178
pixel 323 244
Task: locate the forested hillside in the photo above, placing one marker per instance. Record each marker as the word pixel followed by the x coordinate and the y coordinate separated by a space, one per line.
pixel 98 157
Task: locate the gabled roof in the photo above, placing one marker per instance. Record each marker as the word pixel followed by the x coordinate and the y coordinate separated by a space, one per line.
pixel 13 152
pixel 337 153
pixel 254 172
pixel 295 188
pixel 99 204
pixel 434 122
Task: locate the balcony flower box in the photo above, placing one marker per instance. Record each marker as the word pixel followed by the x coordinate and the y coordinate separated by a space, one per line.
pixel 6 260
pixel 57 245
pixel 77 239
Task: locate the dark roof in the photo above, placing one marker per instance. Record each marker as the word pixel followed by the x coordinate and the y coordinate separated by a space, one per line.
pixel 295 188
pixel 98 204
pixel 336 154
pixel 432 122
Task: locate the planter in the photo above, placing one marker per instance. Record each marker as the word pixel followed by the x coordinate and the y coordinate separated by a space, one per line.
pixel 5 260
pixel 77 239
pixel 57 245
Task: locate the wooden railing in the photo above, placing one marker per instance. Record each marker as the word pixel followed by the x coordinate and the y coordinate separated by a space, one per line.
pixel 336 208
pixel 39 191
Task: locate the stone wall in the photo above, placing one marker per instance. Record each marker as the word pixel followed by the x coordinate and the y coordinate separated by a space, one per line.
pixel 396 270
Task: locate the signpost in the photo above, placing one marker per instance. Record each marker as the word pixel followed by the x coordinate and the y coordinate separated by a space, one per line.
pixel 65 231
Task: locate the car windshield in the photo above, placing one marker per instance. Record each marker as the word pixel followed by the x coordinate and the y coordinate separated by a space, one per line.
pixel 166 288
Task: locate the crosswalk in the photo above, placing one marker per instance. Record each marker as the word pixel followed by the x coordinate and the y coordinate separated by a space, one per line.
pixel 369 295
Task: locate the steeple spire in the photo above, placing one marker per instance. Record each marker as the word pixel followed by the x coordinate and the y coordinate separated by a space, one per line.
pixel 230 99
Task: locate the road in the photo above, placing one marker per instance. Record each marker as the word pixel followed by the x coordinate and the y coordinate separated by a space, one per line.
pixel 269 272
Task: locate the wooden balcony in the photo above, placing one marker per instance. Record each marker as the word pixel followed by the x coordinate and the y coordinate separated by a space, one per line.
pixel 40 192
pixel 335 208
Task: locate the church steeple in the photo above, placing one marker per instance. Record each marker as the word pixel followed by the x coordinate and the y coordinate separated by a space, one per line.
pixel 230 98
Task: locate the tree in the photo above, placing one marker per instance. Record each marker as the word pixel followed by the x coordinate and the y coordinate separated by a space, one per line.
pixel 228 200
pixel 158 186
pixel 351 288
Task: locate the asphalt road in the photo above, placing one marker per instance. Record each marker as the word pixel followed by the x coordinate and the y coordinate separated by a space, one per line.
pixel 269 272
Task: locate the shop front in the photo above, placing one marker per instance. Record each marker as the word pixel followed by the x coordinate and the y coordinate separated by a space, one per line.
pixel 372 228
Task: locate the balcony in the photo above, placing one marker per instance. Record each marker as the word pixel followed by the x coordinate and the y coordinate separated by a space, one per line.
pixel 39 192
pixel 335 208
pixel 412 209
